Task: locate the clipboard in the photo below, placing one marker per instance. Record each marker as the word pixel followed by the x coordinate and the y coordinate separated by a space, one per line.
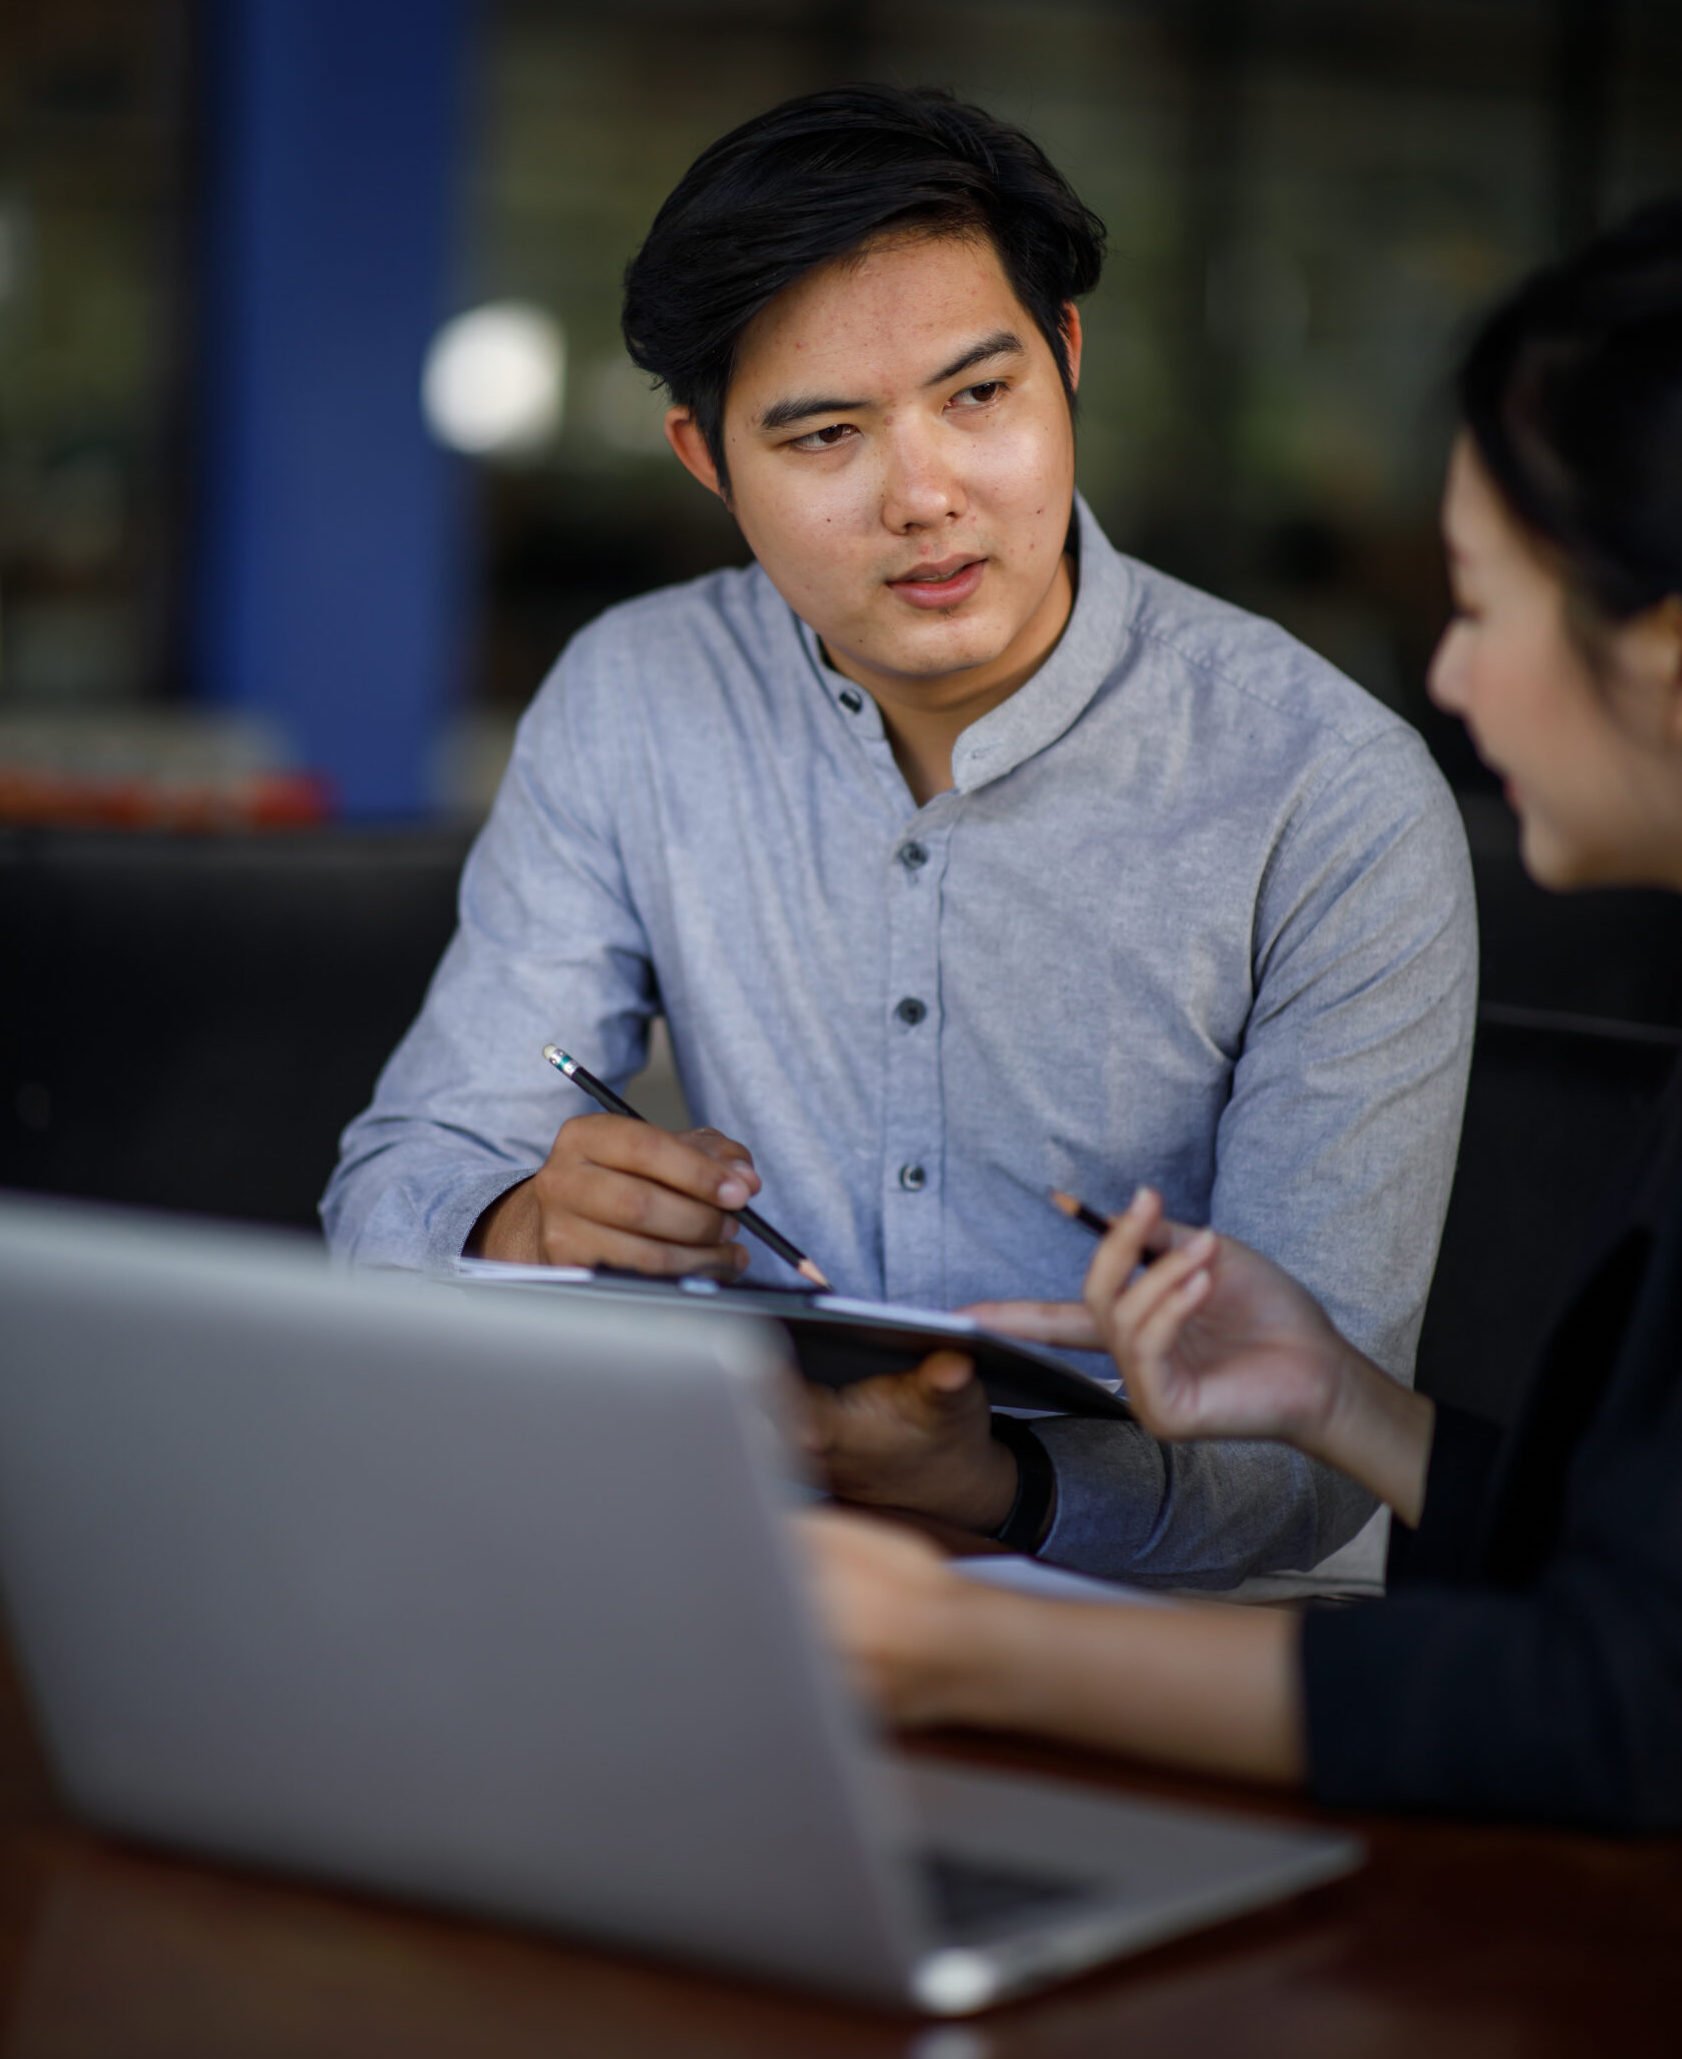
pixel 836 1339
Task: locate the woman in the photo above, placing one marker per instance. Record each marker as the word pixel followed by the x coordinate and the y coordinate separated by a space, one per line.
pixel 1528 1659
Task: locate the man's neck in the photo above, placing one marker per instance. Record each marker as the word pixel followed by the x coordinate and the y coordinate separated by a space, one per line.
pixel 923 754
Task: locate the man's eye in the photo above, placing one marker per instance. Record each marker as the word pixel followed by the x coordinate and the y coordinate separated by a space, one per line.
pixel 825 438
pixel 980 395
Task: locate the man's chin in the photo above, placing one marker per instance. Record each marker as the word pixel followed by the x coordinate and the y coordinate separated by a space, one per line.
pixel 922 664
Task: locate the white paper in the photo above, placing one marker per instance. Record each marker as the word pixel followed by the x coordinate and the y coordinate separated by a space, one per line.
pixel 1030 1576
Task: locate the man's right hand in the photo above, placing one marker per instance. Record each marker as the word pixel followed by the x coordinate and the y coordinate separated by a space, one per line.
pixel 618 1192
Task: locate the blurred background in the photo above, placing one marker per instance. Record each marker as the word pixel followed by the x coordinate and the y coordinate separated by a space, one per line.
pixel 317 441
pixel 281 533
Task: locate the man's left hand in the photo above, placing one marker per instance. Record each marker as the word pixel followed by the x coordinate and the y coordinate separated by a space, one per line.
pixel 920 1441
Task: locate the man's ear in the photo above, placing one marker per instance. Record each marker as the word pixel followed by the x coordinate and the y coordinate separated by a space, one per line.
pixel 683 433
pixel 1070 325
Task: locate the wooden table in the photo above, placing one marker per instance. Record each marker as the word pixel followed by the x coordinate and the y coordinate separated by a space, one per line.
pixel 1488 1943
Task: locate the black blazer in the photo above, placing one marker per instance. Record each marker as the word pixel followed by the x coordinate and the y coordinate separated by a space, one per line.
pixel 1528 1658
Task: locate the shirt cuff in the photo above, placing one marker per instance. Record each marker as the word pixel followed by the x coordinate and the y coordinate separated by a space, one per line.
pixel 417 1226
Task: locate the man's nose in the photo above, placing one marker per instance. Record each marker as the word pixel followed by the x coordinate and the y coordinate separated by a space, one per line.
pixel 921 485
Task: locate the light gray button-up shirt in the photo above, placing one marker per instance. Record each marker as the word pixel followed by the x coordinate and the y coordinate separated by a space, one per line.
pixel 1196 911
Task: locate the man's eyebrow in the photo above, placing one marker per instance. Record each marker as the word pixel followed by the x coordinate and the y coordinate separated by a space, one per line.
pixel 1001 343
pixel 799 406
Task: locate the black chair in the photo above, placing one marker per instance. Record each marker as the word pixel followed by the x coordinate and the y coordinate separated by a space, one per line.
pixel 190 1020
pixel 1579 1029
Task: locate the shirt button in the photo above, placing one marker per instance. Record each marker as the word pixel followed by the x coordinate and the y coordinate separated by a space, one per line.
pixel 911 856
pixel 851 699
pixel 911 1011
pixel 913 1178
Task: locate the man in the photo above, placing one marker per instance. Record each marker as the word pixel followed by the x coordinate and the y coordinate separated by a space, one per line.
pixel 964 857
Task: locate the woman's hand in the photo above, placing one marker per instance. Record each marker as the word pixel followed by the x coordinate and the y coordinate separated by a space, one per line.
pixel 1211 1339
pixel 1206 1686
pixel 894 1610
pixel 1064 1325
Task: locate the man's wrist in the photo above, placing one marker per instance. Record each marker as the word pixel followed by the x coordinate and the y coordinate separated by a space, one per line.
pixel 1024 1524
pixel 992 1495
pixel 507 1229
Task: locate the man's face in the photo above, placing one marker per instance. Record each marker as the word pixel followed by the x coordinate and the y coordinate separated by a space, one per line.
pixel 901 462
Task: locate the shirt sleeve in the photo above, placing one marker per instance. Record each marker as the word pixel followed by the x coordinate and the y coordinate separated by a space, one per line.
pixel 548 947
pixel 1203 1515
pixel 1561 1701
pixel 1335 1156
pixel 1336 1150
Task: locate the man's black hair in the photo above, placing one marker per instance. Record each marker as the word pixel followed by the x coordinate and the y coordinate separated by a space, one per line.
pixel 817 178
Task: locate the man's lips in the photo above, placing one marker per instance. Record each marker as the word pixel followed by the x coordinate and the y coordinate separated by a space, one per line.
pixel 941 585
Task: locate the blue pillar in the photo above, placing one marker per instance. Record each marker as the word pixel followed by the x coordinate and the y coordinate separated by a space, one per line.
pixel 329 580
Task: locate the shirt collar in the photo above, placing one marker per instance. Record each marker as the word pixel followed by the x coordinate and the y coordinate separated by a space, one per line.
pixel 1060 692
pixel 1050 702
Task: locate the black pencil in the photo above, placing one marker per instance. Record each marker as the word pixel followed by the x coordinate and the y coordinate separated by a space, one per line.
pixel 1078 1212
pixel 616 1104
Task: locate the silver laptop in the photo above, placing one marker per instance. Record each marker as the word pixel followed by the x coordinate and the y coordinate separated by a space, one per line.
pixel 491 1603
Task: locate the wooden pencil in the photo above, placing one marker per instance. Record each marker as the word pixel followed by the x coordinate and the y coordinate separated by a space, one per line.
pixel 1078 1212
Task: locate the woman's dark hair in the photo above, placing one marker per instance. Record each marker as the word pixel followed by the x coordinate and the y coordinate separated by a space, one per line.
pixel 1572 395
pixel 817 178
